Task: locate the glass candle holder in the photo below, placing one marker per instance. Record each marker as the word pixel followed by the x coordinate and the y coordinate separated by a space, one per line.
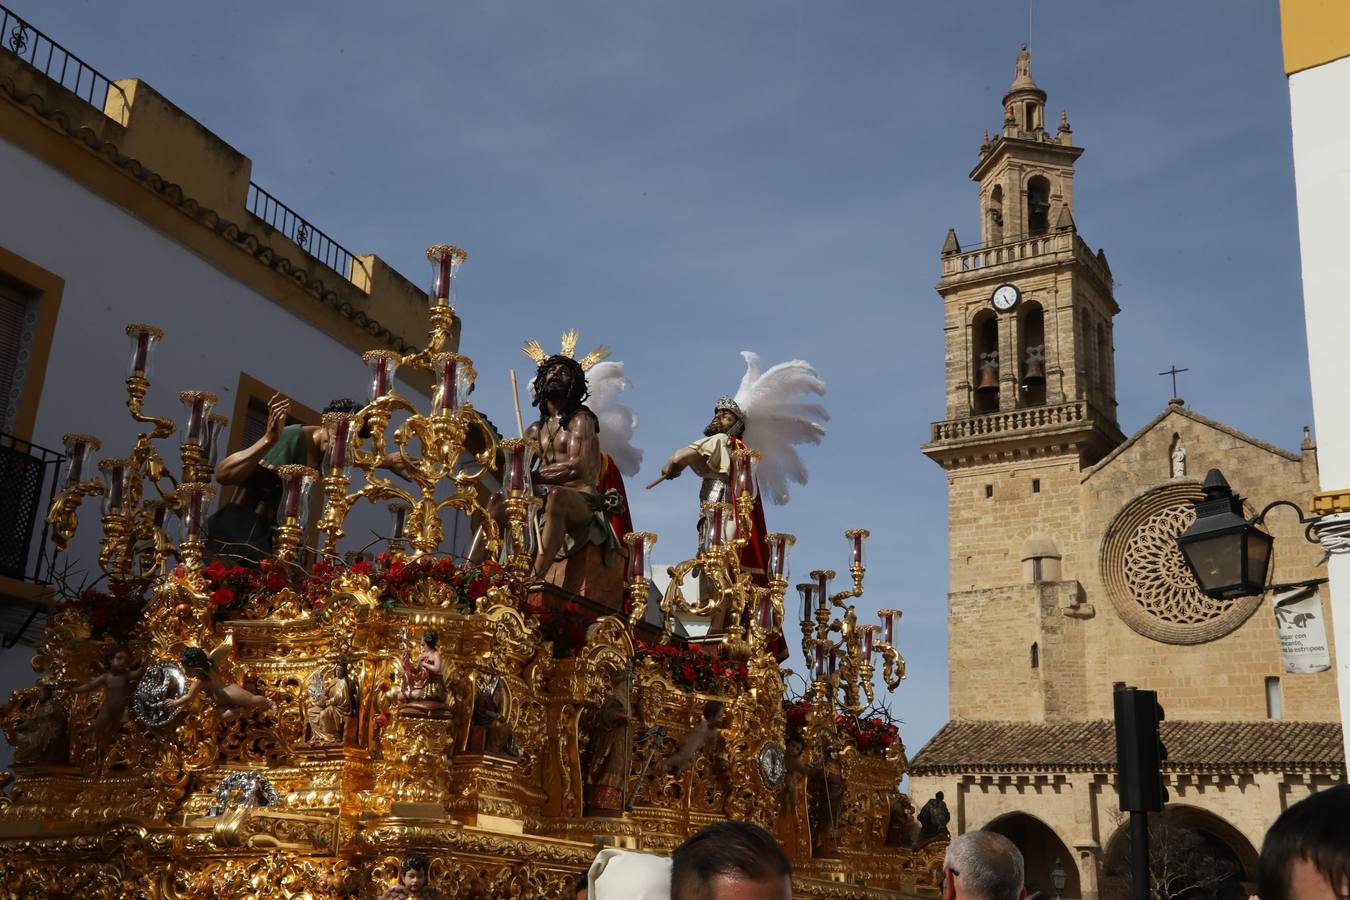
pixel 822 659
pixel 383 365
pixel 712 526
pixel 518 457
pixel 780 547
pixel 118 480
pixel 888 617
pixel 454 374
pixel 144 339
pixel 197 406
pixel 807 590
pixel 341 428
pixel 869 635
pixel 744 481
pixel 195 498
pixel 296 482
pixel 640 545
pixel 398 521
pixel 445 262
pixel 857 547
pixel 766 617
pixel 731 521
pixel 215 434
pixel 80 450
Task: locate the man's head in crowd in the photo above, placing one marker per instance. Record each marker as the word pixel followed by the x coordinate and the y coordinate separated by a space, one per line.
pixel 1306 854
pixel 982 865
pixel 730 861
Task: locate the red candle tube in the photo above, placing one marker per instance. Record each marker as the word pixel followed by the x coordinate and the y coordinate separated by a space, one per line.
pixel 823 588
pixel 293 496
pixel 888 628
pixel 193 515
pixel 714 527
pixel 443 276
pixel 337 447
pixel 197 421
pixel 637 560
pixel 381 384
pixel 820 660
pixel 447 385
pixel 856 545
pixel 868 636
pixel 116 485
pixel 140 357
pixel 516 475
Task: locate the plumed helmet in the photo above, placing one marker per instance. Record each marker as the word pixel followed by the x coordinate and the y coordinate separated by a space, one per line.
pixel 728 404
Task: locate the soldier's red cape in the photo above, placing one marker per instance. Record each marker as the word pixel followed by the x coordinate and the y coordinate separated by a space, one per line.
pixel 755 553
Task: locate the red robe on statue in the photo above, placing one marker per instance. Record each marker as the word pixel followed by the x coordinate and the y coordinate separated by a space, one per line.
pixel 611 477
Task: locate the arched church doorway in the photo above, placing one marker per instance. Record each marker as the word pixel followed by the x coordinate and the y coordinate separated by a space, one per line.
pixel 1041 848
pixel 1193 855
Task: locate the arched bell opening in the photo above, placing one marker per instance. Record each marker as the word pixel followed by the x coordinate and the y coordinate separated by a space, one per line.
pixel 984 359
pixel 1038 205
pixel 1031 354
pixel 996 215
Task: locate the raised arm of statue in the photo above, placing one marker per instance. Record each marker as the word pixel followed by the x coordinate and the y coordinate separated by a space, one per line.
pixel 239 466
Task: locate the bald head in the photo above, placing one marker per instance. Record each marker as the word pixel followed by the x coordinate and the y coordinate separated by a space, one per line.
pixel 982 865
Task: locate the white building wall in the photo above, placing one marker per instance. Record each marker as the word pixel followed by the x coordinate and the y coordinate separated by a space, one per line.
pixel 1318 100
pixel 118 270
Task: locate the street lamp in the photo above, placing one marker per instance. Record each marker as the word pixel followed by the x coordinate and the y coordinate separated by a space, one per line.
pixel 1228 555
pixel 1058 877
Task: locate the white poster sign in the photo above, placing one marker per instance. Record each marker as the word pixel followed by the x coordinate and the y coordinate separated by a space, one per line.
pixel 1303 631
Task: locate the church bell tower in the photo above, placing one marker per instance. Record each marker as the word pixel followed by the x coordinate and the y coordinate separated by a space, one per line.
pixel 1030 370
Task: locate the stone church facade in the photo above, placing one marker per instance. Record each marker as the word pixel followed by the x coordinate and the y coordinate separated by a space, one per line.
pixel 1064 574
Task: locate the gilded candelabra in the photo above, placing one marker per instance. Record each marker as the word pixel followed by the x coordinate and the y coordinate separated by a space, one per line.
pixel 136 542
pixel 843 668
pixel 440 436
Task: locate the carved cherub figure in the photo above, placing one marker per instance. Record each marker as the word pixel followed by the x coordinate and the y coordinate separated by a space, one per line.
pixel 413 882
pixel 231 699
pixel 714 719
pixel 117 683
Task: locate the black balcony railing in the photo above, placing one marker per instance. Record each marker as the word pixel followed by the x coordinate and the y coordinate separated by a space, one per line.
pixel 19 37
pixel 28 476
pixel 301 231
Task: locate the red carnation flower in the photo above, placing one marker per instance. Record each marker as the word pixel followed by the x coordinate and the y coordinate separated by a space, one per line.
pixel 361 568
pixel 216 570
pixel 276 581
pixel 687 672
pixel 222 597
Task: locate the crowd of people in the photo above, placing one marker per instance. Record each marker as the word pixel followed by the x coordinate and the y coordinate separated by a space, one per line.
pixel 1305 856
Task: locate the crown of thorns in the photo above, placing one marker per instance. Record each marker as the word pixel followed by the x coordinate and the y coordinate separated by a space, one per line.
pixel 535 351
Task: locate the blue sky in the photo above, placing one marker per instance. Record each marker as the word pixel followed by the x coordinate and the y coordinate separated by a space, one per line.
pixel 682 181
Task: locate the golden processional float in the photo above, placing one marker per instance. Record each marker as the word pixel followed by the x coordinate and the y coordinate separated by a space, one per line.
pixel 292 728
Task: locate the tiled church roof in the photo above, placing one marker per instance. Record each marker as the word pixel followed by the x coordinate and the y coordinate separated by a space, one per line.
pixel 970 746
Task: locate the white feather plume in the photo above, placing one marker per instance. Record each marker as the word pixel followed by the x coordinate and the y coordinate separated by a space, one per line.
pixel 607 381
pixel 778 416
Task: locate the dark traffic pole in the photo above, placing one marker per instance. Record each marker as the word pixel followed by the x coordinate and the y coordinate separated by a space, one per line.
pixel 1139 756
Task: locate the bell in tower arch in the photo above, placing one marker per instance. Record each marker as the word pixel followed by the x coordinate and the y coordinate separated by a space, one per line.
pixel 988 372
pixel 1035 370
